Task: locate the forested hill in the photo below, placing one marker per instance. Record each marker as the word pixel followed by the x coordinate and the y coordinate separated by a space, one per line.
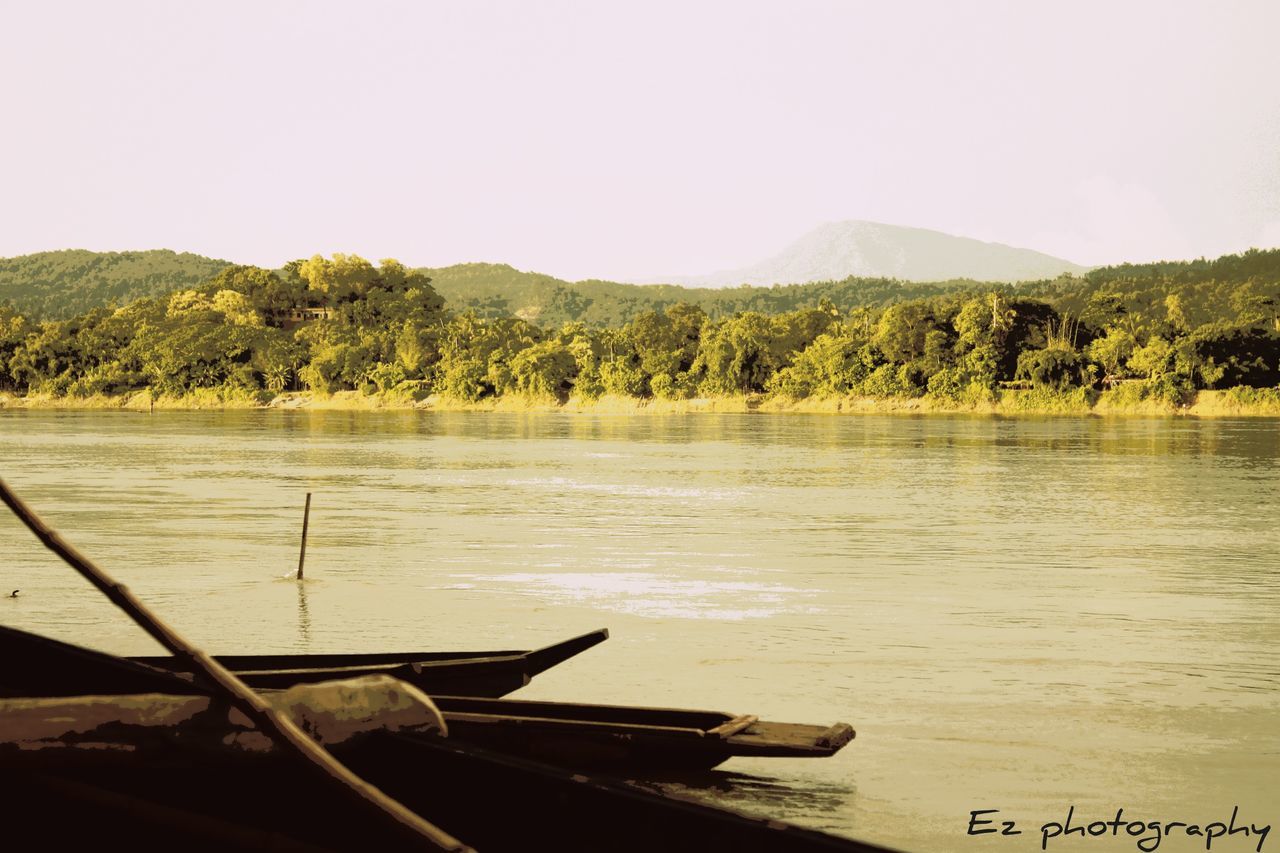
pixel 1205 288
pixel 59 285
pixel 63 284
pixel 1162 331
pixel 498 290
pixel 1244 286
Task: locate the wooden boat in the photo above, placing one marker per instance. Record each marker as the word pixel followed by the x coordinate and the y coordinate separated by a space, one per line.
pixel 32 665
pixel 637 739
pixel 642 740
pixel 176 788
pixel 372 790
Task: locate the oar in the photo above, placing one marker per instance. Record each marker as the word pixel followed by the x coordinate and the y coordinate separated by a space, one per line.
pixel 276 725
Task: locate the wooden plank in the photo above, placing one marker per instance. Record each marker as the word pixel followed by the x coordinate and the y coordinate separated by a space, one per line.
pixel 734 726
pixel 836 736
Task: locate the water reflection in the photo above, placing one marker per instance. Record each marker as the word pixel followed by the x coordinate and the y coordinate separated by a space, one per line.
pixel 823 804
pixel 304 617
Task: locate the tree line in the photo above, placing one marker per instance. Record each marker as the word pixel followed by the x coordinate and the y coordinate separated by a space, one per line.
pixel 1160 330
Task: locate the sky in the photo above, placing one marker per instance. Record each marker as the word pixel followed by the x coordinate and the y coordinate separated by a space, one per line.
pixel 632 140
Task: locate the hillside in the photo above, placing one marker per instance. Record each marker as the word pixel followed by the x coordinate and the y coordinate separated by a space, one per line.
pixel 69 282
pixel 859 249
pixel 58 285
pixel 64 284
pixel 498 290
pixel 1155 333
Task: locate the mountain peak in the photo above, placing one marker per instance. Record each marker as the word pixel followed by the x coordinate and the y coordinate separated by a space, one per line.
pixel 854 247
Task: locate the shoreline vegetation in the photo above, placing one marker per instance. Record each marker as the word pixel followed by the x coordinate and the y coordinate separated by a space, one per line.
pixel 1199 338
pixel 1234 402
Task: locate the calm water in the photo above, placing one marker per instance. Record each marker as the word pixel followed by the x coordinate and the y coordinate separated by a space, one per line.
pixel 1014 614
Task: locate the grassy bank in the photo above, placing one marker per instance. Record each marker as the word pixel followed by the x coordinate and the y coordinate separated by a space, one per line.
pixel 1234 402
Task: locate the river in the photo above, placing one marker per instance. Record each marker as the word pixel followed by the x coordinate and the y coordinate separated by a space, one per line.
pixel 1015 614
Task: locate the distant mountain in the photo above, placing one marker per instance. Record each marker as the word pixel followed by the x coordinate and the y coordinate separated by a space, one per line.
pixel 839 250
pixel 61 284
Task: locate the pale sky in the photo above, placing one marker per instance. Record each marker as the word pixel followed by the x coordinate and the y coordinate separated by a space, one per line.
pixel 625 140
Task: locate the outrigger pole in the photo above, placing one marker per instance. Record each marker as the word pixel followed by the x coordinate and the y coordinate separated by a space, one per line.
pixel 271 722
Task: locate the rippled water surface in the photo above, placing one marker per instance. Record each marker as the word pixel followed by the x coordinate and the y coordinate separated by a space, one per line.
pixel 1016 614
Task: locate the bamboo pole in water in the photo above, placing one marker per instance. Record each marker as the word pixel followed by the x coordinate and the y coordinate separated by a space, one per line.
pixel 276 725
pixel 306 518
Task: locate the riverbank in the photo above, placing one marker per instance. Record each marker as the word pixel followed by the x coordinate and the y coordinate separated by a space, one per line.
pixel 1235 402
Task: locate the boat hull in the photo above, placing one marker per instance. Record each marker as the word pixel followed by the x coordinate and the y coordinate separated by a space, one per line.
pixel 31 665
pixel 495 803
pixel 635 739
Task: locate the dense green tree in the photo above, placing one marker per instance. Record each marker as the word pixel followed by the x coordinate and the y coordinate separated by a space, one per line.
pixel 1052 367
pixel 546 369
pixel 269 293
pixel 833 364
pixel 14 330
pixel 735 355
pixel 341 279
pixel 1112 351
pixel 900 333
